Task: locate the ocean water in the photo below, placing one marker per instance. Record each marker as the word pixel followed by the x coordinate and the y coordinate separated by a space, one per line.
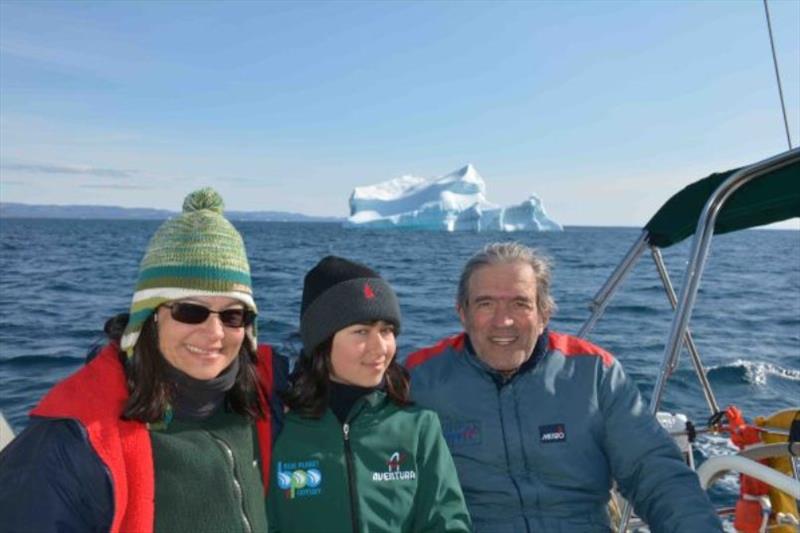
pixel 61 279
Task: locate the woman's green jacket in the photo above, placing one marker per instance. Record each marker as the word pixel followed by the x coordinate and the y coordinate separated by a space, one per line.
pixel 387 468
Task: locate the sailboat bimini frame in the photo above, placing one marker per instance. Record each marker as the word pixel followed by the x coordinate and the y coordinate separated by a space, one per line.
pixel 705 224
pixel 684 304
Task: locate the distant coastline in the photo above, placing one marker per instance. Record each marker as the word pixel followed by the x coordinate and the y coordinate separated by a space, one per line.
pixel 10 210
pixel 105 212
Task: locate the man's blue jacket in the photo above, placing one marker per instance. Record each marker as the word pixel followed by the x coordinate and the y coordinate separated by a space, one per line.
pixel 538 451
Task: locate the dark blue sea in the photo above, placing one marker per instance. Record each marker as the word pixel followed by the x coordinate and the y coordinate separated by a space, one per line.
pixel 61 279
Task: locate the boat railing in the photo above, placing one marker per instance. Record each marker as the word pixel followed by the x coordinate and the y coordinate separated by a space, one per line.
pixel 714 467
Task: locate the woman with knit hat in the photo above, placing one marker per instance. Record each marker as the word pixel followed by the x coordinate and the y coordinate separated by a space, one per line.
pixel 354 455
pixel 169 429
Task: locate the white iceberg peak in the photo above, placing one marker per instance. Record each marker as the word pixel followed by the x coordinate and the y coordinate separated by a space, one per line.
pixel 468 172
pixel 455 201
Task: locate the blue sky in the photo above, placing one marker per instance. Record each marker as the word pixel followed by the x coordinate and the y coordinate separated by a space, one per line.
pixel 603 109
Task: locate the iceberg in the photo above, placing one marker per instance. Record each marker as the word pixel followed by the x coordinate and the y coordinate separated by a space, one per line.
pixel 454 202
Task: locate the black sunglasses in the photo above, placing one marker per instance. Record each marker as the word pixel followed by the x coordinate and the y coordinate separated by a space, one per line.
pixel 190 313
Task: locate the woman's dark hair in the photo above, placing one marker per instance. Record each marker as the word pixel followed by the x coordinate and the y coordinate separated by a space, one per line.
pixel 150 392
pixel 308 385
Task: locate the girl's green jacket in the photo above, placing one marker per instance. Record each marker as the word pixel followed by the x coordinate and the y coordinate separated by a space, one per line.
pixel 386 469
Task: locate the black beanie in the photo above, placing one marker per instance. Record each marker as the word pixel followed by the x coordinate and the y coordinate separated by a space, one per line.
pixel 338 293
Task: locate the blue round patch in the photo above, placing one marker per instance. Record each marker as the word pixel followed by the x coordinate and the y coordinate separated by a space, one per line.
pixel 284 480
pixel 314 478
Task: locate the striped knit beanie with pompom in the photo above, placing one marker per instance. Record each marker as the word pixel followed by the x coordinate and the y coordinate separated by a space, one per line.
pixel 197 253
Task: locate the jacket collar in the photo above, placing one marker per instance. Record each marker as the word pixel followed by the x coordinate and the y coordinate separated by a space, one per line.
pixel 373 401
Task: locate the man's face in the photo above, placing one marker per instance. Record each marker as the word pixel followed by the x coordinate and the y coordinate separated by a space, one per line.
pixel 501 317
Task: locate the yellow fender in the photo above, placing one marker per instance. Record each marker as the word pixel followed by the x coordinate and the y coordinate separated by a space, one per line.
pixel 781 502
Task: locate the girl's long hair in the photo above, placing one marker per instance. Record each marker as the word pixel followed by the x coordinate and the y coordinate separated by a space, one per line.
pixel 309 383
pixel 151 393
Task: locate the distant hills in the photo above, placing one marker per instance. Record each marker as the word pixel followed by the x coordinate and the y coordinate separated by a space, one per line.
pixel 105 212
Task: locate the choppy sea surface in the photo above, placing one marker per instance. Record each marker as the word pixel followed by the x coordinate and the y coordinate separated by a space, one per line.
pixel 61 279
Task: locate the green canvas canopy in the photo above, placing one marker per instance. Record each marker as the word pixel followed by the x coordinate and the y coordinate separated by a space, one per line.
pixel 771 198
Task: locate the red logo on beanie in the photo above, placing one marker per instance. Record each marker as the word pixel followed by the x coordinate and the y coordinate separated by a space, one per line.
pixel 368 294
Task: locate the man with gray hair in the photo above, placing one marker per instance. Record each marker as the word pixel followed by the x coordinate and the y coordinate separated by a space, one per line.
pixel 539 423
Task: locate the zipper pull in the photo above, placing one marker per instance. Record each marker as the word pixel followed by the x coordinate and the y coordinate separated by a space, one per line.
pixel 346 431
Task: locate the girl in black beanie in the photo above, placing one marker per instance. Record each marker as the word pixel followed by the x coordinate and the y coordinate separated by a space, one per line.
pixel 354 454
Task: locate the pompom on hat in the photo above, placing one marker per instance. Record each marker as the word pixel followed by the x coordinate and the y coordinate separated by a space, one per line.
pixel 197 253
pixel 338 293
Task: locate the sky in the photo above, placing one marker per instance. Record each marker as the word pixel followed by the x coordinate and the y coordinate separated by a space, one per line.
pixel 603 109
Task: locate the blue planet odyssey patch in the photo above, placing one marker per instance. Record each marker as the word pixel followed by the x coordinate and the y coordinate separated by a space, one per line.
pixel 300 478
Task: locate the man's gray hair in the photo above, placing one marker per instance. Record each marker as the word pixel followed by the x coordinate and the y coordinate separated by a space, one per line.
pixel 511 252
